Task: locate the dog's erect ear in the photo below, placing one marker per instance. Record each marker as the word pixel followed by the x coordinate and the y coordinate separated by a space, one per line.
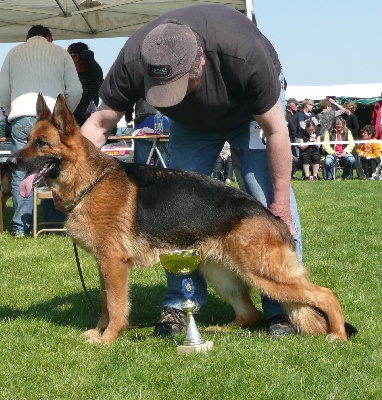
pixel 42 110
pixel 62 117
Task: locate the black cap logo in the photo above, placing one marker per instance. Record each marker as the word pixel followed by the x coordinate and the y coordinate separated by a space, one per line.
pixel 159 71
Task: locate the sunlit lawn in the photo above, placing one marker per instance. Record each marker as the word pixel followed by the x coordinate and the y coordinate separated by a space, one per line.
pixel 43 311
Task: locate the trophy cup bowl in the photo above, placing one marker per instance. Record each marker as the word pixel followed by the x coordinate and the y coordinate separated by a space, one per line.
pixel 181 262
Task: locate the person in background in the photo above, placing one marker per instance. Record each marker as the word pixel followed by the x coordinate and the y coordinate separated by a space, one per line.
pixel 91 77
pixel 236 165
pixel 352 123
pixel 310 155
pixel 338 133
pixel 369 153
pixel 306 113
pixel 32 67
pixel 291 118
pixel 221 91
pixel 223 170
pixel 327 115
pixel 144 122
pixel 376 118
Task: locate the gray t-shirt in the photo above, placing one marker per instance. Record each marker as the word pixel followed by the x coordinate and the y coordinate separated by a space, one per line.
pixel 240 78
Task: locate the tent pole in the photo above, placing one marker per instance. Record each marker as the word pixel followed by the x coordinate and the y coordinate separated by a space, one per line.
pixel 250 6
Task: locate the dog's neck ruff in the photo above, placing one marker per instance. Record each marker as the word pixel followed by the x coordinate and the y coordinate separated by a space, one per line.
pixel 69 206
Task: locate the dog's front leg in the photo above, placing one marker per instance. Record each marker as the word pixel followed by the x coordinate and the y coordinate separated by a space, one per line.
pixel 104 319
pixel 115 307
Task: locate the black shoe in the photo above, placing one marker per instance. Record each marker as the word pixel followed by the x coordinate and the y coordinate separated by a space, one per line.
pixel 350 329
pixel 279 326
pixel 171 322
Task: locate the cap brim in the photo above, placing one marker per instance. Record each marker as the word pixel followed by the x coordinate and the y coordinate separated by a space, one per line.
pixel 166 95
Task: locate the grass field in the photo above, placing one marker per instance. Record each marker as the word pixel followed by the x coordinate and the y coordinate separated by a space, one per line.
pixel 43 311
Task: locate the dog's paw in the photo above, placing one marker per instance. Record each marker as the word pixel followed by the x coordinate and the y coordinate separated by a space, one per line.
pixel 332 337
pixel 101 340
pixel 91 333
pixel 215 328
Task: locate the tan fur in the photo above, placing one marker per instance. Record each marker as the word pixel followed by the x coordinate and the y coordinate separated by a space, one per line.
pixel 251 254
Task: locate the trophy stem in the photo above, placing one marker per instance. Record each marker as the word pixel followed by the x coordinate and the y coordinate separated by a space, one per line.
pixel 193 336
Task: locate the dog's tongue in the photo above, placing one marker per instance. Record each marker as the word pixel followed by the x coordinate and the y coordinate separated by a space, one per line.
pixel 26 184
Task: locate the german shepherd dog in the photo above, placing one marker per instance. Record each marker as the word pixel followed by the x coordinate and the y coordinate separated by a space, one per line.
pixel 126 215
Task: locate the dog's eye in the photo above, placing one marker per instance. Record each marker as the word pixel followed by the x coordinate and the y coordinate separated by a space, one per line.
pixel 40 143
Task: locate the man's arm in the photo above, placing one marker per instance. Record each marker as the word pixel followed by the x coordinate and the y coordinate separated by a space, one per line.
pixel 100 124
pixel 280 160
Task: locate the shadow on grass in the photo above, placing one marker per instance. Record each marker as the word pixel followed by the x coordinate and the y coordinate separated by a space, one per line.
pixel 7 218
pixel 146 303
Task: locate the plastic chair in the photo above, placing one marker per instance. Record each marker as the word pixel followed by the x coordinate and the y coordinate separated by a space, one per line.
pixel 43 193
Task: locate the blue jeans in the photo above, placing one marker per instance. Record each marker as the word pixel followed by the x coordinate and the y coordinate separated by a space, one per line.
pixel 349 161
pixel 197 151
pixel 23 207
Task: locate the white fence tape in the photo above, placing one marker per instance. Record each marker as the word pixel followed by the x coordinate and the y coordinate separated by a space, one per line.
pixel 339 142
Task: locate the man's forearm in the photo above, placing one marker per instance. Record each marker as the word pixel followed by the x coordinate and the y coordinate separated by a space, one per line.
pixel 280 165
pixel 100 124
pixel 280 160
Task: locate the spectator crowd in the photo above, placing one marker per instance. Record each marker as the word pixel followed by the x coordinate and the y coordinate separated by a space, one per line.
pixel 332 141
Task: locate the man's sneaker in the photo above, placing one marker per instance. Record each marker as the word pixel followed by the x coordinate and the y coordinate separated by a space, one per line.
pixel 228 181
pixel 279 326
pixel 19 234
pixel 172 322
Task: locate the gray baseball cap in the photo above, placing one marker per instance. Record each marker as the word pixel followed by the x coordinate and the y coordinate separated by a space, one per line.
pixel 168 53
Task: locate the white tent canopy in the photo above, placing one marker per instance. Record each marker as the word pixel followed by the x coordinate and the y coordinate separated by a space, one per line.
pixel 73 19
pixel 359 91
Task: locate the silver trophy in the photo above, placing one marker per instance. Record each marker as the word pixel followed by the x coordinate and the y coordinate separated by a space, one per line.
pixel 184 262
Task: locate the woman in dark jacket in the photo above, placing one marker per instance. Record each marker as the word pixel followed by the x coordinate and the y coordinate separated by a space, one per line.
pixel 309 149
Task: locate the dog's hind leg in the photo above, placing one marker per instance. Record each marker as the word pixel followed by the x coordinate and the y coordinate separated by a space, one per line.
pixel 277 273
pixel 230 287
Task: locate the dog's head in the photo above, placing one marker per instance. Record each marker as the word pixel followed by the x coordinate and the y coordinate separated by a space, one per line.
pixel 49 142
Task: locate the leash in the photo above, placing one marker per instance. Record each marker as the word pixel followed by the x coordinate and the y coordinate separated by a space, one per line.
pixel 82 278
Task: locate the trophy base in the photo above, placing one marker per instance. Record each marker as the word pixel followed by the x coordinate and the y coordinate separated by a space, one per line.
pixel 197 348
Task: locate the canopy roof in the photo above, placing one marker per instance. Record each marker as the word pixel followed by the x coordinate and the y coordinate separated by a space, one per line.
pixel 367 93
pixel 72 19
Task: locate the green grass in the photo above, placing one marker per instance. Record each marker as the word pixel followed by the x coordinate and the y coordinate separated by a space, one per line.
pixel 43 312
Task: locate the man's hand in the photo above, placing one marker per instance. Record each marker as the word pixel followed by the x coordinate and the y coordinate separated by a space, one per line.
pixel 100 124
pixel 283 211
